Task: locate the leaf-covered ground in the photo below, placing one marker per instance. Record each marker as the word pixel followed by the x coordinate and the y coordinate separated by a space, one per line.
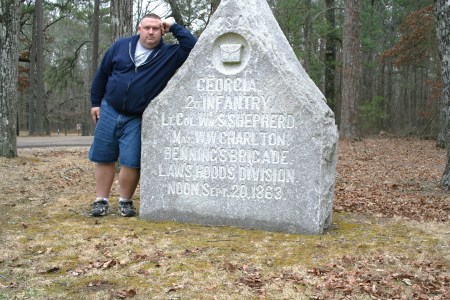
pixel 390 237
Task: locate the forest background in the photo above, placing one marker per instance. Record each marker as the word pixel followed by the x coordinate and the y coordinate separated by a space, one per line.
pixel 400 67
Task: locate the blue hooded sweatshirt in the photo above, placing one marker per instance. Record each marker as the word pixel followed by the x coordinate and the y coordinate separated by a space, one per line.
pixel 129 89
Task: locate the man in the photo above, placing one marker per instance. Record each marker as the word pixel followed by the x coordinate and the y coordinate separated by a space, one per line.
pixel 133 71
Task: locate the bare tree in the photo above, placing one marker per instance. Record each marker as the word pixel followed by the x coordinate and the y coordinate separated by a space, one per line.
pixel 32 66
pixel 38 115
pixel 442 12
pixel 9 59
pixel 86 126
pixel 330 56
pixel 308 31
pixel 176 12
pixel 121 18
pixel 351 70
pixel 95 38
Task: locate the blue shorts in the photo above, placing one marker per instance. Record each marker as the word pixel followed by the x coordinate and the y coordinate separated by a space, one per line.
pixel 116 136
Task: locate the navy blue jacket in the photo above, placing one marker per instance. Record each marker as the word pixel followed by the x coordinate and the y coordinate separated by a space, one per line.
pixel 129 89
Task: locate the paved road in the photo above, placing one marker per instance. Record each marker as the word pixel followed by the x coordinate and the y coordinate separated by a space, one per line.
pixel 53 141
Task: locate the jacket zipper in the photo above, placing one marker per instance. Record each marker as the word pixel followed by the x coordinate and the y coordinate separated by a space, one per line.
pixel 135 71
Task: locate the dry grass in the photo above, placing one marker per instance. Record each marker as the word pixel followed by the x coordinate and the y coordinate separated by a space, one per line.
pixel 50 248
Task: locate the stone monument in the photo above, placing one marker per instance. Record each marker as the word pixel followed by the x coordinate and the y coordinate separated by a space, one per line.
pixel 241 136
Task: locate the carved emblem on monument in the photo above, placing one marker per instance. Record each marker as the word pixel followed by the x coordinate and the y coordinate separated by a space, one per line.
pixel 231 53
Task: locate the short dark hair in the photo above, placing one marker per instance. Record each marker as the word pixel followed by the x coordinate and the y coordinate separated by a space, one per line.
pixel 151 16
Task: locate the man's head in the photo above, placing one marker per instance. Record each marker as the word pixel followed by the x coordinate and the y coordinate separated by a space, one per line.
pixel 150 31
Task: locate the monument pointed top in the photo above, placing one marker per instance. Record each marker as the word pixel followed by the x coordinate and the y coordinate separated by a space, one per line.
pixel 252 25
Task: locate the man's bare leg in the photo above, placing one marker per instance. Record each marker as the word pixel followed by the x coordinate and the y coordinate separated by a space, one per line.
pixel 128 181
pixel 104 178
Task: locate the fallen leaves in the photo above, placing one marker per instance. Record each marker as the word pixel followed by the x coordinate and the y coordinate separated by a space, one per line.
pixel 50 270
pixel 175 288
pixel 353 275
pixel 252 279
pixel 372 276
pixel 11 285
pixel 97 265
pixel 123 294
pixel 392 177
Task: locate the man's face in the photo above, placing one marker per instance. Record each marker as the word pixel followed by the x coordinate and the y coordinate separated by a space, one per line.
pixel 150 32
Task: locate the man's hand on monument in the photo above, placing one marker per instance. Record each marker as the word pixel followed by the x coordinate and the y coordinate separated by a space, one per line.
pixel 166 24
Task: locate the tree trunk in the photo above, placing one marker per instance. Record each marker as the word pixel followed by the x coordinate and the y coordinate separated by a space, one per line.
pixel 31 101
pixel 95 38
pixel 351 70
pixel 40 84
pixel 38 107
pixel 9 60
pixel 307 29
pixel 87 123
pixel 443 32
pixel 176 12
pixel 330 56
pixel 121 18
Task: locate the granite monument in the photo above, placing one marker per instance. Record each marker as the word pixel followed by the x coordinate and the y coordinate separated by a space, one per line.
pixel 241 135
